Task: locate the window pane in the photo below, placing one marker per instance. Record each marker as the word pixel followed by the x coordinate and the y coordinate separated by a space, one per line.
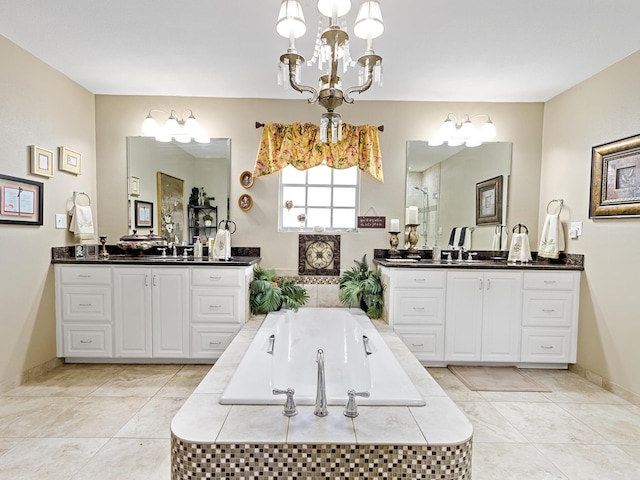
pixel 295 194
pixel 290 218
pixel 344 218
pixel 320 175
pixel 344 197
pixel 319 197
pixel 348 176
pixel 319 217
pixel 293 175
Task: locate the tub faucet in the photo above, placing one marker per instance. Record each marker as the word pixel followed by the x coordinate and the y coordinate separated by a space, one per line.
pixel 321 390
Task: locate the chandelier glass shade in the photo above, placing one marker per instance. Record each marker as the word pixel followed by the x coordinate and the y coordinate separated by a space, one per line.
pixel 455 133
pixel 332 48
pixel 181 128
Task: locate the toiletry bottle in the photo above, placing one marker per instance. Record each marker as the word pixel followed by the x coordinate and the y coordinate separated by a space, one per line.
pixel 197 249
pixel 436 252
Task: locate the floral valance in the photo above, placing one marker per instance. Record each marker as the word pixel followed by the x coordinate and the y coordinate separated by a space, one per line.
pixel 299 144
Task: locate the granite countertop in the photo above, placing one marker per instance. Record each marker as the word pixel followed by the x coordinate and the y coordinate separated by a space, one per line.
pixel 158 260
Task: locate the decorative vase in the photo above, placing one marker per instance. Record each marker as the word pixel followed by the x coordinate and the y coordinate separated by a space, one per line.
pixel 207 223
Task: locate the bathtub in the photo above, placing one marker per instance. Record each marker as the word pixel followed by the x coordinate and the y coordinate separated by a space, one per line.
pixel 283 355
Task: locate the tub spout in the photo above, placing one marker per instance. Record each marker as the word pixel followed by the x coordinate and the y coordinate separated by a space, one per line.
pixel 321 390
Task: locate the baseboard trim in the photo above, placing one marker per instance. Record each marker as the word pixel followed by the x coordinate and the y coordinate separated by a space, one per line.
pixel 606 384
pixel 30 374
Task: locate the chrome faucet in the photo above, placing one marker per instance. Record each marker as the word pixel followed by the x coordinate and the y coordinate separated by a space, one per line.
pixel 461 253
pixel 321 389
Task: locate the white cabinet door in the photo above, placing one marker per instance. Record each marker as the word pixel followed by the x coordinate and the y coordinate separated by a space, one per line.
pixel 170 324
pixel 132 316
pixel 463 324
pixel 501 315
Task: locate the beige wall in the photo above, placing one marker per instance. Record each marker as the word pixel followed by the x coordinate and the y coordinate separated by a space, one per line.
pixel 600 110
pixel 119 116
pixel 42 107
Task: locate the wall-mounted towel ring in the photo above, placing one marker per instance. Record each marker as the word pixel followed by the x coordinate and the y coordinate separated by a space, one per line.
pixel 77 194
pixel 559 201
pixel 520 226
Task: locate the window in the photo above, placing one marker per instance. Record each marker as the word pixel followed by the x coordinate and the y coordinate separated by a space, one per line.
pixel 318 197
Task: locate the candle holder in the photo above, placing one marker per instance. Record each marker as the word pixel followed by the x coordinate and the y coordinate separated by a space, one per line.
pixel 414 236
pixel 103 241
pixel 393 241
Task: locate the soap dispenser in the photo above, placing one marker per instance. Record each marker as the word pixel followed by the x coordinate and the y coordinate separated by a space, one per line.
pixel 436 253
pixel 197 249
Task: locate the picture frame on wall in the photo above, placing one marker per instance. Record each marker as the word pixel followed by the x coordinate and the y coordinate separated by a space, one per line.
pixel 615 179
pixel 41 161
pixel 21 201
pixel 70 161
pixel 134 186
pixel 489 201
pixel 143 214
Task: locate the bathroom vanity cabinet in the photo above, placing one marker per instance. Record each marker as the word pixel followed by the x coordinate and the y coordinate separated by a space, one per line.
pixel 493 316
pixel 149 313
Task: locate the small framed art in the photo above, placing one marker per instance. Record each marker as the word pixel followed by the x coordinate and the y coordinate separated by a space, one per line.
pixel 246 179
pixel 134 186
pixel 41 161
pixel 144 214
pixel 489 201
pixel 21 201
pixel 70 161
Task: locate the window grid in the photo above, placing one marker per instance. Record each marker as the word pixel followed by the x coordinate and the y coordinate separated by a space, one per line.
pixel 305 207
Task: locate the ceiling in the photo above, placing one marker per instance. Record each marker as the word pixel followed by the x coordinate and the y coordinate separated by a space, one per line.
pixel 433 50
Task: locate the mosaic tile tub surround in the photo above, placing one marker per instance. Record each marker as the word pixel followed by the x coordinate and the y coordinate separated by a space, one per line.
pixel 210 440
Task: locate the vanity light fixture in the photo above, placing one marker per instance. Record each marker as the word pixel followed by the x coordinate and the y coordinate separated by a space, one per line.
pixel 455 133
pixel 332 48
pixel 181 128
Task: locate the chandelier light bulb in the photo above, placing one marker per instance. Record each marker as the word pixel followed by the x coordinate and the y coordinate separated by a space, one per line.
pixel 369 22
pixel 290 22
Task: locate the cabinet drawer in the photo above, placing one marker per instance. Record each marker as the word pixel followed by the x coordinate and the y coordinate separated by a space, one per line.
pixel 214 305
pixel 86 304
pixel 87 340
pixel 549 280
pixel 417 307
pixel 428 344
pixel 207 343
pixel 208 277
pixel 547 309
pixel 546 345
pixel 85 275
pixel 418 278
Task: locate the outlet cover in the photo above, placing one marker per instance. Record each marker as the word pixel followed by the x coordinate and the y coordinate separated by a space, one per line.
pixel 61 220
pixel 577 228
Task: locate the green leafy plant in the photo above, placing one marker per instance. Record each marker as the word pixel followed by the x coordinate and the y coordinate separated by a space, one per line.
pixel 268 292
pixel 207 217
pixel 362 286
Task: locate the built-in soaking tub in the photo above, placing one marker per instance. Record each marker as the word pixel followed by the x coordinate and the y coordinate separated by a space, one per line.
pixel 283 355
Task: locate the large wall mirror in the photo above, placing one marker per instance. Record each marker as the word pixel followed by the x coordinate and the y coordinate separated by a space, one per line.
pixel 162 176
pixel 442 182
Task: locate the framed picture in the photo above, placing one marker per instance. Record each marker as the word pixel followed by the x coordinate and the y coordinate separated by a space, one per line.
pixel 21 201
pixel 319 255
pixel 489 201
pixel 171 207
pixel 41 161
pixel 246 179
pixel 245 202
pixel 615 179
pixel 144 214
pixel 70 161
pixel 134 186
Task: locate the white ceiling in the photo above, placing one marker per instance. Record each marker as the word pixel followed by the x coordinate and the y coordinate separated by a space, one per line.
pixel 433 50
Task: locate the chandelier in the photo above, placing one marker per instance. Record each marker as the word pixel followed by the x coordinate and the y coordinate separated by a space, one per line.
pixel 332 47
pixel 181 128
pixel 455 133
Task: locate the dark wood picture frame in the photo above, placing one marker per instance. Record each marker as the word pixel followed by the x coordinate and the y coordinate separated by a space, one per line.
pixel 615 179
pixel 143 214
pixel 21 201
pixel 489 201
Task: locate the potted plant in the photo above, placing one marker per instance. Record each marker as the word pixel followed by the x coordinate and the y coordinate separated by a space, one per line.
pixel 268 293
pixel 362 286
pixel 208 220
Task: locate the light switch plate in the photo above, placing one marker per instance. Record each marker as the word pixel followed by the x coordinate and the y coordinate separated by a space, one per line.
pixel 61 220
pixel 576 227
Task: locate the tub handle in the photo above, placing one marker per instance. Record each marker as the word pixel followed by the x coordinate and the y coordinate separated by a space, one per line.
pixel 367 348
pixel 272 344
pixel 351 410
pixel 289 405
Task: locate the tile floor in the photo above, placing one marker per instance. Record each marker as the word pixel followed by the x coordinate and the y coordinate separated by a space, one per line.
pixel 112 422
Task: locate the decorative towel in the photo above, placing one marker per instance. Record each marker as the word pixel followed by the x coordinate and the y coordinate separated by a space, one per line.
pixel 499 238
pixel 82 222
pixel 460 237
pixel 463 233
pixel 222 245
pixel 552 238
pixel 519 250
pixel 452 238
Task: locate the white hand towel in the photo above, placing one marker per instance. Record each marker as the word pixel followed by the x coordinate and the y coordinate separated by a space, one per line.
pixel 519 251
pixel 552 238
pixel 82 222
pixel 222 245
pixel 499 238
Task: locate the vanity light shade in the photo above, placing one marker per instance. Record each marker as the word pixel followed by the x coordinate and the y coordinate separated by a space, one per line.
pixel 369 20
pixel 291 20
pixel 488 130
pixel 150 127
pixel 448 128
pixel 326 7
pixel 172 126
